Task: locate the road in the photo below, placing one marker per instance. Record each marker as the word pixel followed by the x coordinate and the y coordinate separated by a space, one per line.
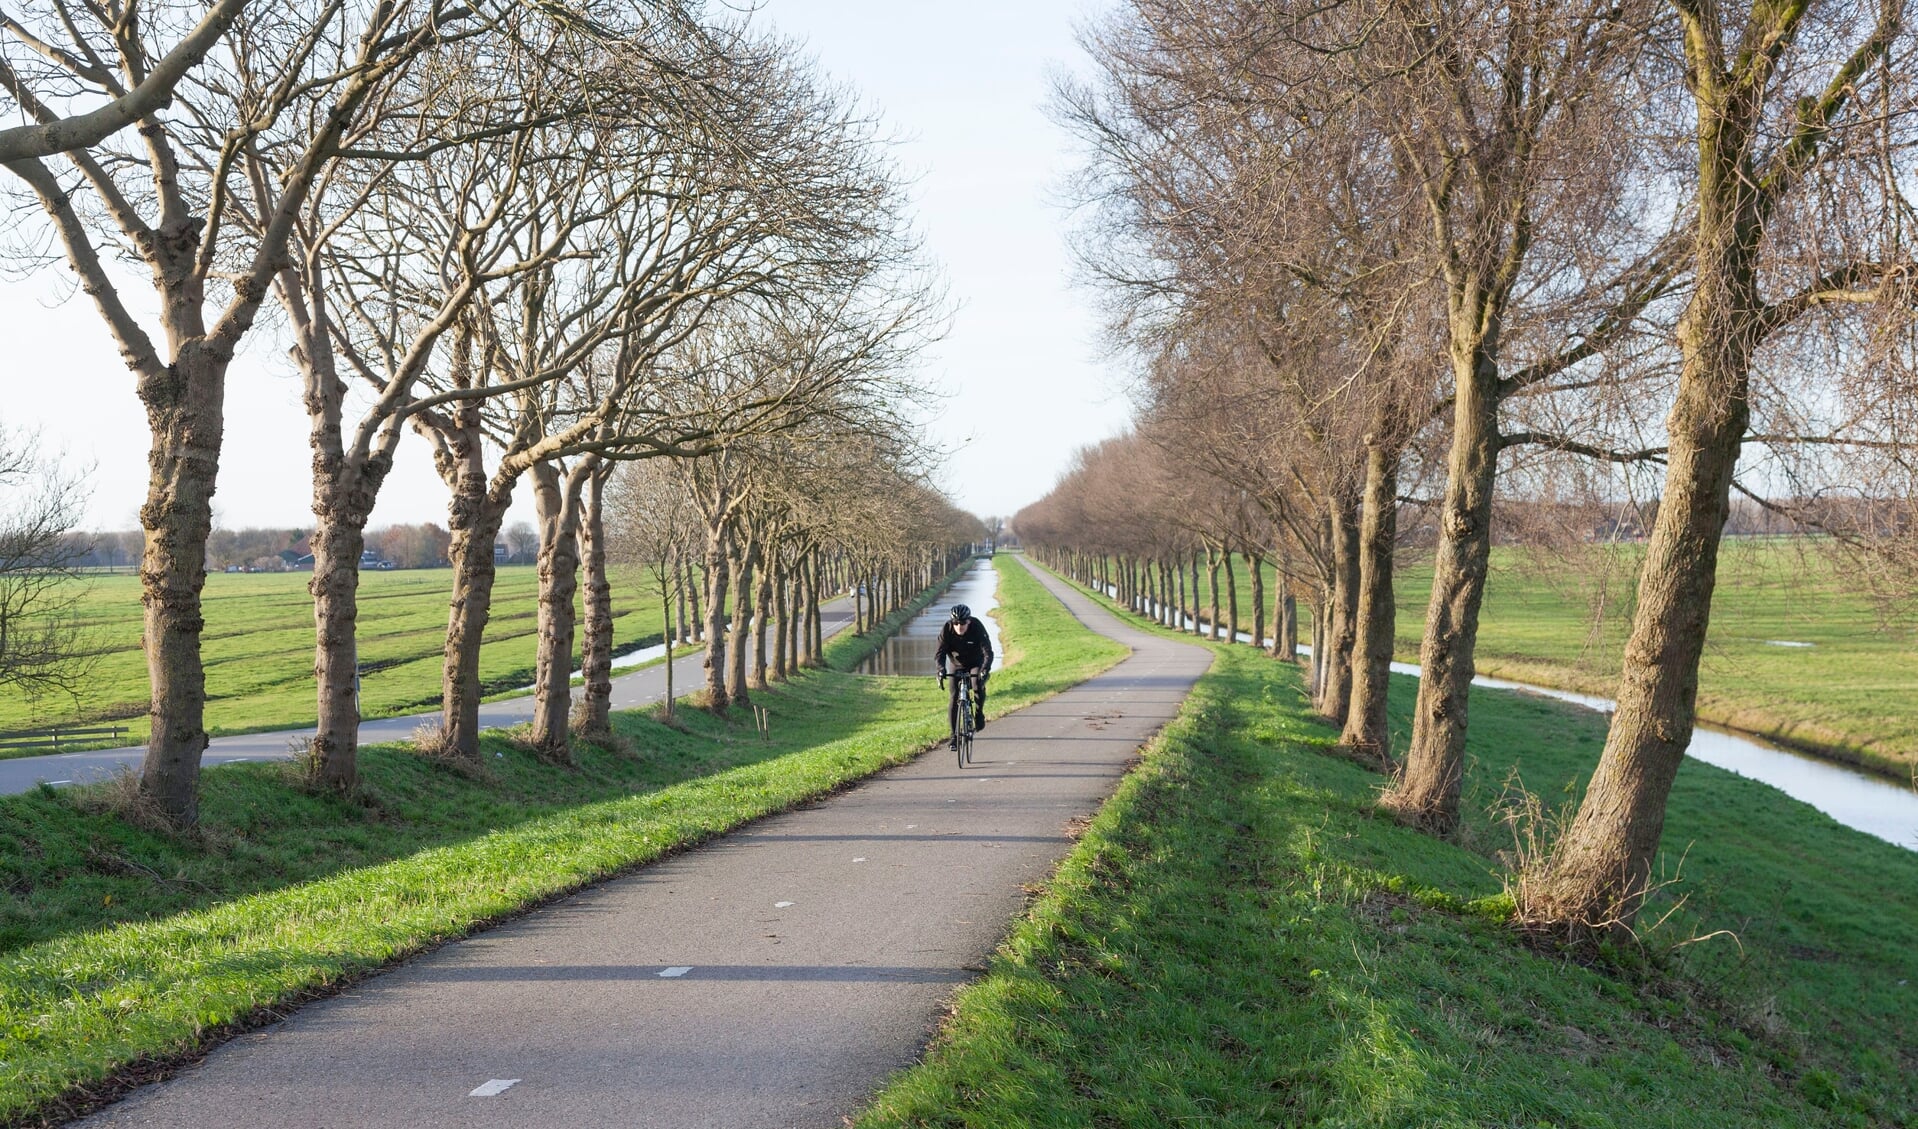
pixel 639 688
pixel 775 977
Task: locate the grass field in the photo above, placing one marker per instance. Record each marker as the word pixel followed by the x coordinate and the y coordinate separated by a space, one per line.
pixel 1239 940
pixel 1852 694
pixel 258 647
pixel 123 951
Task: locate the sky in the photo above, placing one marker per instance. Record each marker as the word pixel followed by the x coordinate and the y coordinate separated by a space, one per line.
pixel 963 90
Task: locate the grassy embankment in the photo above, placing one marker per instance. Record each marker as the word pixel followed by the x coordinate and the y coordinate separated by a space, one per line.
pixel 258 647
pixel 1852 695
pixel 1239 940
pixel 123 952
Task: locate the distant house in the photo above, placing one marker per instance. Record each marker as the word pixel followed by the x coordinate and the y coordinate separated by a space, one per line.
pixel 501 554
pixel 370 561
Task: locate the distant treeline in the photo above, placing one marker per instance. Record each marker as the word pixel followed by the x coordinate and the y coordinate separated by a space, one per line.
pixel 252 549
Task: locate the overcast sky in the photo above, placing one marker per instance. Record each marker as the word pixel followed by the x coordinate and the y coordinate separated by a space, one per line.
pixel 962 86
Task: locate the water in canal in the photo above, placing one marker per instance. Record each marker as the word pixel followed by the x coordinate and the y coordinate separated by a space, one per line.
pixel 909 650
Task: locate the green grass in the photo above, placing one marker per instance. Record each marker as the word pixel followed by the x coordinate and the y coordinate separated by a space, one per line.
pixel 258 647
pixel 1562 621
pixel 1853 693
pixel 120 947
pixel 1239 940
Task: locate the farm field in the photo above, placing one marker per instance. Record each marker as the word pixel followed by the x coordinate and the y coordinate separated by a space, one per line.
pixel 1852 693
pixel 258 647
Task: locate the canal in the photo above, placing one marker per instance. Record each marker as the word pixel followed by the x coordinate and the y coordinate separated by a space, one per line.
pixel 909 650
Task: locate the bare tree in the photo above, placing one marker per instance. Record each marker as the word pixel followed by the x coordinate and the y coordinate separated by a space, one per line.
pixel 41 648
pixel 650 527
pixel 295 75
pixel 1799 113
pixel 467 174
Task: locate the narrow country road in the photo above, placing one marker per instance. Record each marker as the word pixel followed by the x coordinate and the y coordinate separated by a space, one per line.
pixel 639 688
pixel 774 977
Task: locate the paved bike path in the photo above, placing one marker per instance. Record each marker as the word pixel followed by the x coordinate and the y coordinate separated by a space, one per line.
pixel 639 688
pixel 774 977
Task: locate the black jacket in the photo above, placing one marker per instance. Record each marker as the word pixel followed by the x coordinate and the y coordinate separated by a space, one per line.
pixel 972 649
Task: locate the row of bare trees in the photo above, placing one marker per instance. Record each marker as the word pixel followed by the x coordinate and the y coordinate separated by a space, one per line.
pixel 759 533
pixel 548 239
pixel 1385 259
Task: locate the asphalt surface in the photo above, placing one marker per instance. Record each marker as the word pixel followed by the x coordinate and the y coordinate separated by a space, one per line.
pixel 639 688
pixel 774 977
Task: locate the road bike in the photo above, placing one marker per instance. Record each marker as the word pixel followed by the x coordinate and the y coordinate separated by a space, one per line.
pixel 967 725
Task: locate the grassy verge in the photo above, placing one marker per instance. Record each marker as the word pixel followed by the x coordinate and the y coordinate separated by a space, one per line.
pixel 1239 940
pixel 124 953
pixel 258 647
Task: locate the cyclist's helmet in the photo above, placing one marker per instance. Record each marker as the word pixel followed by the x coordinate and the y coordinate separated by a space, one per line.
pixel 959 612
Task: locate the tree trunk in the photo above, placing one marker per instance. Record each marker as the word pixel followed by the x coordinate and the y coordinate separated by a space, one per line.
pixel 695 627
pixel 1288 622
pixel 1342 630
pixel 681 583
pixel 1318 647
pixel 344 490
pixel 1601 869
pixel 475 519
pixel 762 623
pixel 784 601
pixel 668 590
pixel 742 619
pixel 717 576
pixel 338 538
pixel 815 625
pixel 186 414
pixel 858 607
pixel 1427 794
pixel 1365 725
pixel 1212 587
pixel 1182 614
pixel 558 502
pixel 1231 598
pixel 596 641
pixel 1257 564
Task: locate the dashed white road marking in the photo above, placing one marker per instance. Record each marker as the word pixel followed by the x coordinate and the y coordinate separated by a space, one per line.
pixel 50 783
pixel 493 1087
pixel 781 905
pixel 676 970
pixel 860 859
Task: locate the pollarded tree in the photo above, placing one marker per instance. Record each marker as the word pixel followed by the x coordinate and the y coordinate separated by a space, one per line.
pixel 785 226
pixel 1800 129
pixel 1499 115
pixel 472 173
pixel 296 75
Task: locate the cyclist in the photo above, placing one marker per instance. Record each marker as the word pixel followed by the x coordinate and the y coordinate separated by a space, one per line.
pixel 964 647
